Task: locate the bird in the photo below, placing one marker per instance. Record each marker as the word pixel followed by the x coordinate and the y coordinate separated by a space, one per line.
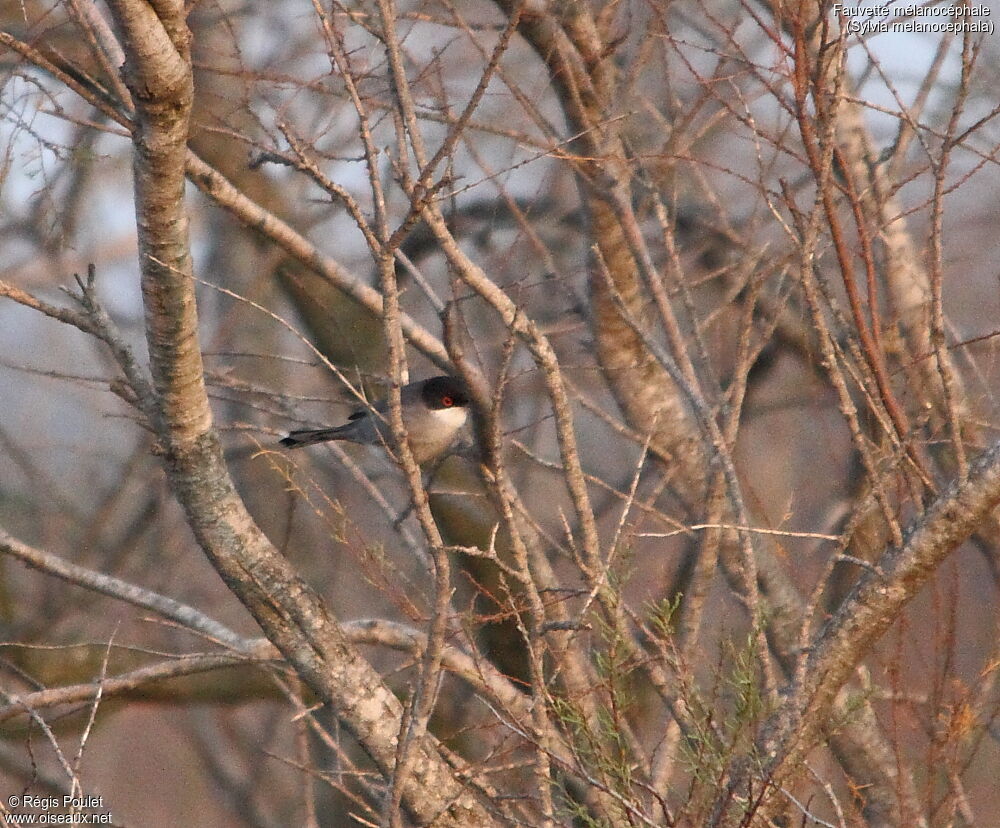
pixel 434 412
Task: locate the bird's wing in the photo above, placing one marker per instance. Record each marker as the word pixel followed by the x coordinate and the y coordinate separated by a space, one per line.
pixel 381 408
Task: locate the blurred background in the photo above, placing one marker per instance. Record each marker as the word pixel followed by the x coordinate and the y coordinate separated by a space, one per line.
pixel 723 192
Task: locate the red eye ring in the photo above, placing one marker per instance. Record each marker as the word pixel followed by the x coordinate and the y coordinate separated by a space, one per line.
pixel 447 402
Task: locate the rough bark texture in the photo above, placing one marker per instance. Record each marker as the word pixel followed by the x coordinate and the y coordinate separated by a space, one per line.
pixel 583 70
pixel 871 608
pixel 293 617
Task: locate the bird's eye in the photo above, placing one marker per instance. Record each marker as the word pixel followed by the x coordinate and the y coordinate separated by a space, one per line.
pixel 447 402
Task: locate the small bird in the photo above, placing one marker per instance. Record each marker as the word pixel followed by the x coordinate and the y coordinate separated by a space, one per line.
pixel 434 411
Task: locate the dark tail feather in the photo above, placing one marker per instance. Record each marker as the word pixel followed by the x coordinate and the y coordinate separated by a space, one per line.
pixel 306 438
